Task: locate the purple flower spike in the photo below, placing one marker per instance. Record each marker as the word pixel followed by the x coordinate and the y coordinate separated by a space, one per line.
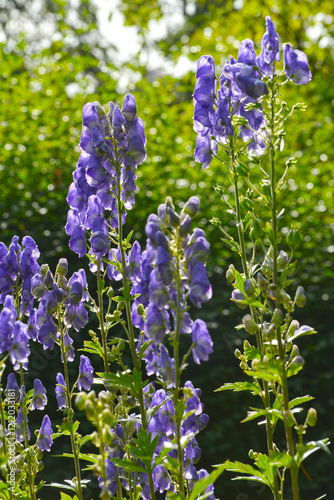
pixel 39 398
pixel 85 374
pixel 270 48
pixel 44 440
pixel 296 65
pixel 202 342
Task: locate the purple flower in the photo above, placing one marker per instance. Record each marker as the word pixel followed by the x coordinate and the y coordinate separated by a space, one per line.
pixel 44 440
pixel 296 65
pixel 78 240
pixel 200 288
pixel 161 478
pixel 60 391
pixel 85 379
pixel 19 350
pixel 166 367
pixel 47 333
pixel 202 343
pixel 154 325
pixel 270 48
pixel 39 398
pixel 205 149
pixel 129 108
pixel 20 430
pixel 246 54
pixel 68 348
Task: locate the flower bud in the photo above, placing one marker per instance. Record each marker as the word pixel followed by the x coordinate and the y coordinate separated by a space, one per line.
pixel 44 269
pixel 48 280
pixel 266 188
pixel 107 436
pixel 311 418
pixel 185 226
pixel 140 310
pixel 110 293
pixel 230 273
pixel 250 325
pixel 62 267
pixel 237 354
pixel 37 286
pixel 255 363
pixel 249 287
pixel 282 260
pixel 272 291
pixel 277 318
pixel 173 217
pixel 262 282
pixel 289 419
pixel 298 360
pixel 80 400
pixel 293 238
pixel 238 298
pixel 294 325
pixel 191 207
pixel 294 352
pixel 300 297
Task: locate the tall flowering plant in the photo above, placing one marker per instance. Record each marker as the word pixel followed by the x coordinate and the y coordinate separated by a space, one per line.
pixel 246 113
pixel 146 417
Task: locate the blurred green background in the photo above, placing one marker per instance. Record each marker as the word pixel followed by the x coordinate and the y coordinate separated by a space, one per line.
pixel 57 55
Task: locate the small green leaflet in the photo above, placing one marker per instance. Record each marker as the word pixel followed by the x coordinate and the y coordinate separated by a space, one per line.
pixel 253 387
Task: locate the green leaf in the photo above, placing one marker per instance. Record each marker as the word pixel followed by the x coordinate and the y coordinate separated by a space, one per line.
pixel 301 332
pixel 256 413
pixel 201 485
pixel 299 401
pixel 127 465
pixel 254 474
pixel 270 233
pixel 253 387
pixel 252 353
pixel 63 496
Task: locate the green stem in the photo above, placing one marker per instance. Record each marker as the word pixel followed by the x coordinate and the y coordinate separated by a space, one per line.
pixel 131 335
pixel 281 350
pixel 101 320
pixel 269 428
pixel 69 408
pixel 26 442
pixel 178 418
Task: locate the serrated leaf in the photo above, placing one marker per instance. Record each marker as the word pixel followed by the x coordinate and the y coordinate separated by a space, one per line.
pixel 255 474
pixel 256 413
pixel 252 353
pixel 130 466
pixel 253 387
pixel 298 401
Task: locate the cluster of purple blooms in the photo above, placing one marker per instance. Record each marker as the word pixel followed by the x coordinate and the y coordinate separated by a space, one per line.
pixel 242 83
pixel 112 145
pixel 172 271
pixel 22 280
pixel 162 427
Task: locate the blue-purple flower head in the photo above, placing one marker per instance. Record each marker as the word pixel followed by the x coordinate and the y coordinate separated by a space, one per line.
pixel 296 65
pixel 85 379
pixel 112 145
pixel 270 48
pixel 39 398
pixel 44 440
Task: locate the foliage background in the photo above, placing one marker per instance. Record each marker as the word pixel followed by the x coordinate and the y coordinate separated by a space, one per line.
pixel 54 58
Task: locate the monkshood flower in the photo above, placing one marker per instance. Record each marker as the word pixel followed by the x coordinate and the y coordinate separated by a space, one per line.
pixel 270 49
pixel 296 65
pixel 20 427
pixel 60 391
pixel 39 398
pixel 85 379
pixel 44 440
pixel 202 343
pixel 19 350
pixel 112 477
pixel 112 145
pixel 18 262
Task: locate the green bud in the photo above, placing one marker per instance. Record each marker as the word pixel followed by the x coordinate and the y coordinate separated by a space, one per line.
pixel 62 267
pixel 255 363
pixel 294 325
pixel 230 273
pixel 110 293
pixel 250 325
pixel 282 260
pixel 285 299
pixel 91 395
pixel 249 287
pixel 277 318
pixel 44 269
pixel 312 416
pixel 140 310
pixel 272 291
pixel 294 352
pixel 255 232
pixel 293 238
pixel 246 204
pixel 169 202
pixel 90 409
pixel 237 354
pixel 40 465
pixel 107 436
pixel 266 187
pixel 289 419
pixel 300 297
pixel 262 282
